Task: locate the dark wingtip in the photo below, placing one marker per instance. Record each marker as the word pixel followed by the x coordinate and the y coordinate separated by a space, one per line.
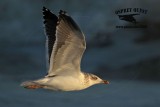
pixel 45 9
pixel 46 12
pixel 62 12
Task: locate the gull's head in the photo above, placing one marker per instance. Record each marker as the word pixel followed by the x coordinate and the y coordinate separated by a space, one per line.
pixel 97 80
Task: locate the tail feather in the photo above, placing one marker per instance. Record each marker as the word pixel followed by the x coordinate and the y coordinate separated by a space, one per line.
pixel 31 85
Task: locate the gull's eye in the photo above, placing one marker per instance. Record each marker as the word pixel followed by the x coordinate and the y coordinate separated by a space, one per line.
pixel 94 78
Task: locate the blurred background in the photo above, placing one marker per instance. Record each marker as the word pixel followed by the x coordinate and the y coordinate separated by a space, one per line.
pixel 128 58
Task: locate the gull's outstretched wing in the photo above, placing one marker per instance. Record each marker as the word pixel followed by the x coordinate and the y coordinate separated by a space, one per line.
pixel 68 47
pixel 50 23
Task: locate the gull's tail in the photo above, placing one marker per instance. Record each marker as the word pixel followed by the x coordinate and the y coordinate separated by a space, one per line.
pixel 31 85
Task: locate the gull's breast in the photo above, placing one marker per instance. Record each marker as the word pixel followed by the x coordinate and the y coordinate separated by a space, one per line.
pixel 64 83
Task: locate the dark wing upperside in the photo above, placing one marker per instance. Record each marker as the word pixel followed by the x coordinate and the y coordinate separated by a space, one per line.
pixel 50 23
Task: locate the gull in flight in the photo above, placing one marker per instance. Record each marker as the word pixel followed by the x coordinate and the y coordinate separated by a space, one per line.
pixel 66 45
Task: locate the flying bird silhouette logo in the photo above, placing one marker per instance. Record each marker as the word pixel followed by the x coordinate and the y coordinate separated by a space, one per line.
pixel 128 18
